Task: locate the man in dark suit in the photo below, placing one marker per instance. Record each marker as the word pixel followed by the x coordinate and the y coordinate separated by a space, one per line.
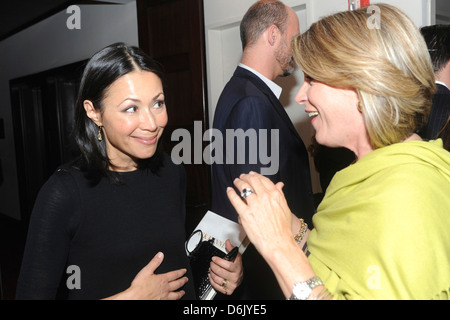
pixel 250 103
pixel 437 38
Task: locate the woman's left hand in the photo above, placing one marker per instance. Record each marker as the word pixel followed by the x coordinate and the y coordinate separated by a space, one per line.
pixel 225 276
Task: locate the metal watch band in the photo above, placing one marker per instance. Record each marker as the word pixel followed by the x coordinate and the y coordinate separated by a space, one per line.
pixel 307 287
pixel 314 282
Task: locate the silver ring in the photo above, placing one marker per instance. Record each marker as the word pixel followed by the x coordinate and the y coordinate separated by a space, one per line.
pixel 246 192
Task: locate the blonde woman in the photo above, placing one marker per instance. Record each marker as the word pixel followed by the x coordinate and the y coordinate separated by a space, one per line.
pixel 381 231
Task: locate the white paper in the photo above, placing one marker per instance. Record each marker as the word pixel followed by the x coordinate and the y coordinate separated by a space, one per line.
pixel 214 226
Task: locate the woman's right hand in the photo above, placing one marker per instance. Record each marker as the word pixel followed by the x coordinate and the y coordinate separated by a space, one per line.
pixel 150 286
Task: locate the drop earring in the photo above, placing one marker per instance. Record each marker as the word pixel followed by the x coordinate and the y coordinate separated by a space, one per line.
pixel 99 136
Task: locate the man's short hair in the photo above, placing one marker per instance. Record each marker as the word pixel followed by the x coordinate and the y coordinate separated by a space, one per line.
pixel 260 16
pixel 437 38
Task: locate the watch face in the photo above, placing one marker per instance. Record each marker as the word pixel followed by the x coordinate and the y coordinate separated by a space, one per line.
pixel 301 291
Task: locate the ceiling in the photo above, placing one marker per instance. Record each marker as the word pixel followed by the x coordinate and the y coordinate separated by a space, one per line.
pixel 20 14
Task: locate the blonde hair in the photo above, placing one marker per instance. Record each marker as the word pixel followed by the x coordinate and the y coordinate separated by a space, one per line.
pixel 388 66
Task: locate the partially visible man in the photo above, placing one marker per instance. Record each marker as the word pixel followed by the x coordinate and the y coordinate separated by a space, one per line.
pixel 437 38
pixel 250 102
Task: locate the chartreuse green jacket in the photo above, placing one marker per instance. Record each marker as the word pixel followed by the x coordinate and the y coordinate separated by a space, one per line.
pixel 382 230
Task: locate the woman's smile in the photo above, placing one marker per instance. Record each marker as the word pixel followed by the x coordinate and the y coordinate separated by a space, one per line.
pixel 146 140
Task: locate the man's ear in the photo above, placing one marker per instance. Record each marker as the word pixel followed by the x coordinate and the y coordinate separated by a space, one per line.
pixel 92 113
pixel 272 34
pixel 443 75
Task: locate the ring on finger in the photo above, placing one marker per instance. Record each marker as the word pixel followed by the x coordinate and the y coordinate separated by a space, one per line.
pixel 224 284
pixel 246 192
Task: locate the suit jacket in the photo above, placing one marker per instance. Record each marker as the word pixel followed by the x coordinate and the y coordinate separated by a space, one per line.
pixel 440 111
pixel 247 103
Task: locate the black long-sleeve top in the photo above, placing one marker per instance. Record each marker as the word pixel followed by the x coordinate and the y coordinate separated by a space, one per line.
pixel 109 231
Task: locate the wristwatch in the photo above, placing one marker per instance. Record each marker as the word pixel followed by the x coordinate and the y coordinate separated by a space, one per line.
pixel 302 290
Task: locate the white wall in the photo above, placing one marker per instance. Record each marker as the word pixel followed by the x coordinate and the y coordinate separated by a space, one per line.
pixel 47 45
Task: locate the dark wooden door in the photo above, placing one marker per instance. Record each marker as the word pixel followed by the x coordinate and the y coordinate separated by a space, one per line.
pixel 171 31
pixel 42 112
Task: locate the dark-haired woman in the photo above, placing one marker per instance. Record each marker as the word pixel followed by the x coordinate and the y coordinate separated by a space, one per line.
pixel 111 224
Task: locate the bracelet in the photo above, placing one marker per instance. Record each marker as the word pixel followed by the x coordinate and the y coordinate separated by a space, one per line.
pixel 323 295
pixel 304 227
